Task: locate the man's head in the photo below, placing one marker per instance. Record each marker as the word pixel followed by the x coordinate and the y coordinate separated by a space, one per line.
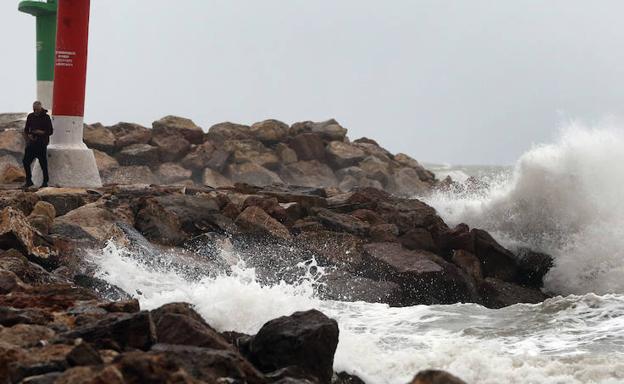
pixel 37 108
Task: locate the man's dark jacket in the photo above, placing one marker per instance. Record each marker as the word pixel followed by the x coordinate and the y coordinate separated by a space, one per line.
pixel 36 122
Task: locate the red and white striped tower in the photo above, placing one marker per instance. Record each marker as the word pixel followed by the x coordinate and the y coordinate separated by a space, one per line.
pixel 71 163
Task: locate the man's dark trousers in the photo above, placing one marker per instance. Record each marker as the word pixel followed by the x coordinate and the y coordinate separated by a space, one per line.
pixel 39 152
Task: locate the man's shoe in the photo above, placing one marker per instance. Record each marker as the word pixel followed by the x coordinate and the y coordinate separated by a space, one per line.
pixel 44 185
pixel 28 184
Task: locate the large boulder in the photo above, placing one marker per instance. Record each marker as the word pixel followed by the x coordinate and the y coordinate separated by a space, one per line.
pixel 496 261
pixel 199 156
pixel 195 214
pixel 309 174
pixel 23 201
pixel 308 146
pixel 129 134
pixel 174 328
pixel 344 286
pixel 341 222
pixel 406 182
pixel 128 331
pixel 286 154
pixel 137 174
pixel 12 142
pixel 244 151
pixel 65 200
pixel 252 173
pixel 269 131
pixel 159 225
pixel 16 232
pixel 424 277
pixel 229 131
pixel 498 294
pixel 169 173
pixel 307 340
pixel 329 130
pixel 179 126
pixel 138 154
pixel 11 171
pixel 214 179
pixel 171 147
pixel 104 161
pixel 94 219
pixel 255 220
pixel 99 137
pixel 342 155
pixel 376 169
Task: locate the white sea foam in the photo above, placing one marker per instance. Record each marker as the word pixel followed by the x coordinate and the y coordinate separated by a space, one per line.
pixel 577 339
pixel 564 199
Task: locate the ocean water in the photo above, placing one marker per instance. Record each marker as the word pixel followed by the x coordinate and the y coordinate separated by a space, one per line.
pixel 563 198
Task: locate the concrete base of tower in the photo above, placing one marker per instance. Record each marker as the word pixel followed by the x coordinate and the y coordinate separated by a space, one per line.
pixel 70 167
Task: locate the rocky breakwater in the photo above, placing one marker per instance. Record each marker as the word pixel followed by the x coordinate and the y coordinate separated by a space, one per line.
pixel 175 150
pixel 59 323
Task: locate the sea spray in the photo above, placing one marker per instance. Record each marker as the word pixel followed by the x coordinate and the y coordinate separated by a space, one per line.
pixel 563 199
pixel 576 339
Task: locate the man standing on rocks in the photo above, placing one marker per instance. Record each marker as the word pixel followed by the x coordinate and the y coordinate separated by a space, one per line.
pixel 37 134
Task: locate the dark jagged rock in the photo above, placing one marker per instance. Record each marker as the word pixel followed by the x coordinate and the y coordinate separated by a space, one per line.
pixel 533 266
pixel 498 294
pixel 120 332
pixel 304 339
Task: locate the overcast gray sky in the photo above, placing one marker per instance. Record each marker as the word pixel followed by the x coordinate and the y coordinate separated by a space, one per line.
pixel 470 82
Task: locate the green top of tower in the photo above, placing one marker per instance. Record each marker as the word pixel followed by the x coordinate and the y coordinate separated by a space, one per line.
pixel 37 8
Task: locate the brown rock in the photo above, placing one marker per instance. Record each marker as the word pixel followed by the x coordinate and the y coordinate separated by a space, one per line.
pixel 308 146
pixel 498 294
pixel 496 261
pixel 435 377
pixel 184 330
pixel 11 171
pixel 99 137
pixel 255 220
pixel 384 233
pixel 9 282
pixel 469 263
pixel 229 131
pixel 214 179
pixel 418 238
pixel 199 156
pixel 16 232
pixel 158 224
pixel 269 131
pixel 25 335
pixel 406 182
pixel 254 151
pixel 252 173
pixel 104 161
pixel 179 126
pixel 307 340
pixel 12 142
pixel 128 134
pixel 309 174
pixel 138 154
pixel 376 169
pixel 171 147
pixel 94 219
pixel 424 277
pixel 23 201
pixel 342 249
pixel 169 173
pixel 329 130
pixel 64 199
pixel 341 154
pixel 134 330
pixel 341 222
pixel 286 154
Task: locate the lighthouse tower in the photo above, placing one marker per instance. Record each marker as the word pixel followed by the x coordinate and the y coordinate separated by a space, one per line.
pixel 71 163
pixel 45 14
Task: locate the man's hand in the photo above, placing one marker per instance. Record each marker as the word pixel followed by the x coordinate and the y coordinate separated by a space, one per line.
pixel 39 132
